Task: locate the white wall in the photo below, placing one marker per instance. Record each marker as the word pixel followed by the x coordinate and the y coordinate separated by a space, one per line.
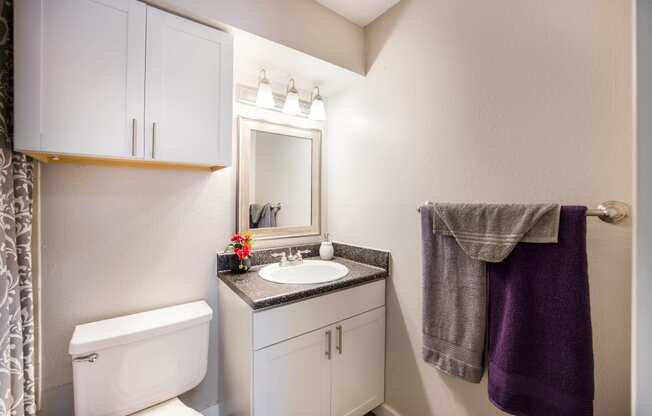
pixel 510 101
pixel 642 310
pixel 283 175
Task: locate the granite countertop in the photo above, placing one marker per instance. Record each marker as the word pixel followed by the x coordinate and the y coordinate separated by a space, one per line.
pixel 260 293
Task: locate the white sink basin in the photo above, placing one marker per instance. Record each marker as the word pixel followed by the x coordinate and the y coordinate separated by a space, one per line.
pixel 310 272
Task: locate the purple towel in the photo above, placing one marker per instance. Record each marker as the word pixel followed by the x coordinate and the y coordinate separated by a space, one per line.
pixel 540 348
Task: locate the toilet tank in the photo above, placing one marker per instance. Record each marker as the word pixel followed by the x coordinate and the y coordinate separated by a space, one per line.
pixel 126 364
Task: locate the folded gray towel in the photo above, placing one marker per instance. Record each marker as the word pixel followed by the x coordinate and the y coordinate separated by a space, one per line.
pixel 490 232
pixel 457 240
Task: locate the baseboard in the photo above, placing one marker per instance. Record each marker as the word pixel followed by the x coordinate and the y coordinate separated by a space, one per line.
pixel 212 411
pixel 386 410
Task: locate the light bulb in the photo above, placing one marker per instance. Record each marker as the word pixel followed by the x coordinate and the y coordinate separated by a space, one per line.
pixel 291 105
pixel 265 96
pixel 317 108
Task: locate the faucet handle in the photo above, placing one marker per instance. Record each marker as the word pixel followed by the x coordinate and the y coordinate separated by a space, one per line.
pixel 282 255
pixel 300 253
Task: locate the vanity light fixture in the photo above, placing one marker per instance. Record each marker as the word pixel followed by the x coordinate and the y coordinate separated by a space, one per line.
pixel 317 108
pixel 291 105
pixel 264 97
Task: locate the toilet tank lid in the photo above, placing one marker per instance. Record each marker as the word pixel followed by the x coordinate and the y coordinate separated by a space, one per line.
pixel 95 336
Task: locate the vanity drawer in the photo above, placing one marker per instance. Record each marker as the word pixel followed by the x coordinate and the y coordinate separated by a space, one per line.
pixel 278 324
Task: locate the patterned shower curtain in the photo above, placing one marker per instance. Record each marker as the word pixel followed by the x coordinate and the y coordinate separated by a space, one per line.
pixel 17 386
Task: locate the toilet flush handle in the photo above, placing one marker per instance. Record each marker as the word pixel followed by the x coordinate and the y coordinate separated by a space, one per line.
pixel 90 358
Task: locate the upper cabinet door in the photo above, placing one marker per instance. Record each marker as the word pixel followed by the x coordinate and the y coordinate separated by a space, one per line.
pixel 293 378
pixel 189 91
pixel 359 364
pixel 80 77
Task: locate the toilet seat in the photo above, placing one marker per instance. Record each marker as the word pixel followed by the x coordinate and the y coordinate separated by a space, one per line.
pixel 173 407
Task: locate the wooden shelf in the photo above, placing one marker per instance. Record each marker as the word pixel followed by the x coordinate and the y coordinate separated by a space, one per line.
pixel 135 163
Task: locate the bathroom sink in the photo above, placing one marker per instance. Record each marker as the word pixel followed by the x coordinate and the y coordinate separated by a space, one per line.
pixel 309 272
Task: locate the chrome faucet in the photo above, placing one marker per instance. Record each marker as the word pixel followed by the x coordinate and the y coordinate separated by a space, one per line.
pixel 291 259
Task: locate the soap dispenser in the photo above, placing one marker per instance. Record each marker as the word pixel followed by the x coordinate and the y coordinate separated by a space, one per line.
pixel 326 250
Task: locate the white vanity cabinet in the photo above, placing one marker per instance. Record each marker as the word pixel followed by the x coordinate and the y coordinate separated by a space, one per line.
pixel 123 81
pixel 294 377
pixel 324 356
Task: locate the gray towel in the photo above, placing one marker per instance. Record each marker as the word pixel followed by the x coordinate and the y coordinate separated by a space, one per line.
pixel 489 232
pixel 457 240
pixel 262 216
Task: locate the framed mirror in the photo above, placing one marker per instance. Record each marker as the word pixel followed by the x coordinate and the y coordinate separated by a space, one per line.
pixel 279 180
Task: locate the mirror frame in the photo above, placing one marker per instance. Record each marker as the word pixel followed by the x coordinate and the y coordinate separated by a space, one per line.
pixel 245 127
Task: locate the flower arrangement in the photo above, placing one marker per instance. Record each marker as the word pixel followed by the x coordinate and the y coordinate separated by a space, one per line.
pixel 241 245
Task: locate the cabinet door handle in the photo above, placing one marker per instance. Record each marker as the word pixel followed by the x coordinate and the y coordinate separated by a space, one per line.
pixel 328 344
pixel 134 137
pixel 338 347
pixel 154 128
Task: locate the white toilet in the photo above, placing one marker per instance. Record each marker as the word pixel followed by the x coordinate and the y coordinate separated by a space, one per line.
pixel 138 364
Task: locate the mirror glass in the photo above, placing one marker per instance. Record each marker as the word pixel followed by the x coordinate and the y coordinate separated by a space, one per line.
pixel 278 179
pixel 280 191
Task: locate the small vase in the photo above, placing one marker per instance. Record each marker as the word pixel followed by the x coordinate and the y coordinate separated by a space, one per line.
pixel 241 265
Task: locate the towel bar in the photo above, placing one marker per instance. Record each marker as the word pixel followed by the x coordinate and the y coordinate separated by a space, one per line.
pixel 612 212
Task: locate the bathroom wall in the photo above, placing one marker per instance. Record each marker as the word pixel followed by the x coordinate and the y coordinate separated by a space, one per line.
pixel 642 310
pixel 304 25
pixel 510 101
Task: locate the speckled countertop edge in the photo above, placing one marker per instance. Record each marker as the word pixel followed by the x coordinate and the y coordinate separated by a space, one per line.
pixel 259 294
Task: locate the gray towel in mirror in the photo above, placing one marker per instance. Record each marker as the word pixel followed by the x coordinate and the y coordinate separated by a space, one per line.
pixel 262 216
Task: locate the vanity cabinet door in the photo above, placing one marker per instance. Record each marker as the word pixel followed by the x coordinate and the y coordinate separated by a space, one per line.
pixel 189 91
pixel 80 77
pixel 293 378
pixel 359 364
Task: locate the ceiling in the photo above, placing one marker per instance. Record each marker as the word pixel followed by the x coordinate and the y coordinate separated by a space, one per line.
pixel 360 12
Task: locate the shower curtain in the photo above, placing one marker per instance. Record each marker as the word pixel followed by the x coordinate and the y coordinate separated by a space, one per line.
pixel 17 386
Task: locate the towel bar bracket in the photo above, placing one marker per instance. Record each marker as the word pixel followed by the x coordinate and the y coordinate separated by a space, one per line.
pixel 612 212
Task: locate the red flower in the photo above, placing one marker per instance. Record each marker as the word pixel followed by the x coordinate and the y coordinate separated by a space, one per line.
pixel 237 238
pixel 241 245
pixel 243 252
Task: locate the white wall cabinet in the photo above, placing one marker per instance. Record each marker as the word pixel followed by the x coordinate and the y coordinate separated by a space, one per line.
pixel 119 80
pixel 189 91
pixel 324 356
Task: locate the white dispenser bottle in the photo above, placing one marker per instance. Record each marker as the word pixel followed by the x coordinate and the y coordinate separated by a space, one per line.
pixel 326 251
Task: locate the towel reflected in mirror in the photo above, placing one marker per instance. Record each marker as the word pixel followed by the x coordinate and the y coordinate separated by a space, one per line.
pixel 263 215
